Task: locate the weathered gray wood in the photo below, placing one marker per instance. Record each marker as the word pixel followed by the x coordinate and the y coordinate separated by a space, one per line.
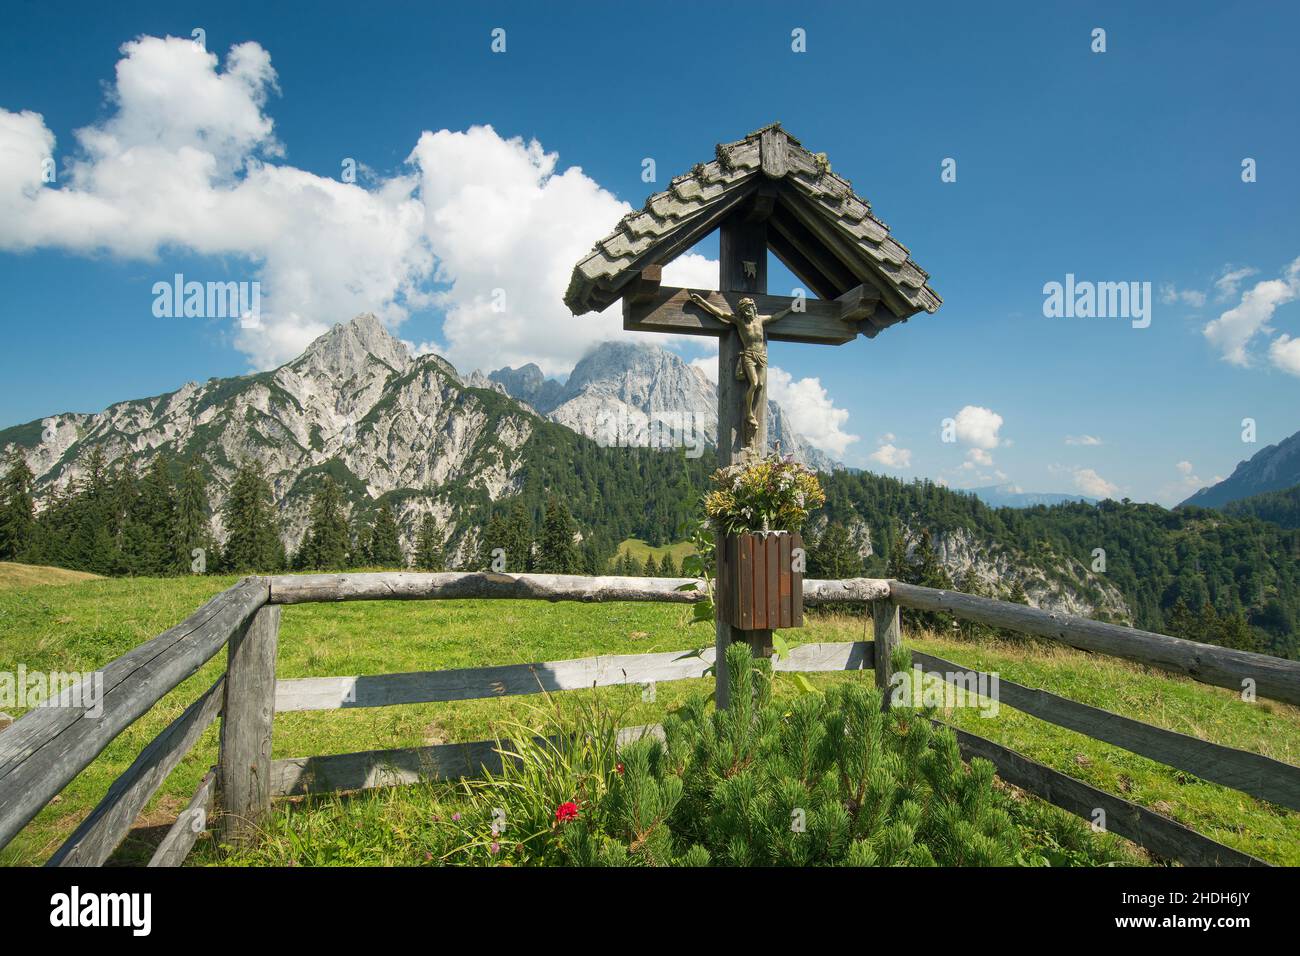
pixel 1272 676
pixel 823 322
pixel 99 834
pixel 888 635
pixel 372 769
pixel 1250 773
pixel 50 745
pixel 244 767
pixel 180 839
pixel 476 683
pixel 451 585
pixel 1160 835
pixel 740 241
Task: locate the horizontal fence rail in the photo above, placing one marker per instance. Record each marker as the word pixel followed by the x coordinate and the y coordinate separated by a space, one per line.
pixel 451 585
pixel 474 683
pixel 1242 770
pixel 1273 677
pixel 49 745
pixel 1161 835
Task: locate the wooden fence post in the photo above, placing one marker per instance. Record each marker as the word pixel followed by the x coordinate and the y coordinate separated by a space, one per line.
pixel 244 767
pixel 888 634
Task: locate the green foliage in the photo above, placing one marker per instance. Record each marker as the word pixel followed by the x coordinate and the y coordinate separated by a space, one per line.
pixel 17 511
pixel 831 779
pixel 252 526
pixel 429 547
pixel 833 556
pixel 326 547
pixel 385 549
pixel 557 551
pixel 1153 555
pixel 1282 508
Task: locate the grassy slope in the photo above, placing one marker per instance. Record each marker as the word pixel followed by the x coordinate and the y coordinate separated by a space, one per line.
pixel 13 575
pixel 82 626
pixel 638 549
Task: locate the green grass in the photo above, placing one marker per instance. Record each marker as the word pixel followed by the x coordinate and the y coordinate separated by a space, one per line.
pixel 638 549
pixel 81 626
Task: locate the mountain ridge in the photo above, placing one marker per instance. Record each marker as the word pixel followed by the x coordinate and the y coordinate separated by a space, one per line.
pixel 1272 468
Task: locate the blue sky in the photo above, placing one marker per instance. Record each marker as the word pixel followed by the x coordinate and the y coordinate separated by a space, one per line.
pixel 1117 166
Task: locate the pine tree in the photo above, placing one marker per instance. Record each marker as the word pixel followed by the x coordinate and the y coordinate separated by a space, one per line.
pixel 17 510
pixel 496 538
pixel 519 540
pixel 193 532
pixel 328 539
pixel 667 567
pixel 650 569
pixel 834 557
pixel 429 546
pixel 385 543
pixel 252 526
pixel 150 546
pixel 1181 622
pixel 557 552
pixel 899 568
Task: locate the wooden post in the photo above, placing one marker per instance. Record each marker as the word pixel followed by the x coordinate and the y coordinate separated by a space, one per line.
pixel 244 767
pixel 739 242
pixel 888 633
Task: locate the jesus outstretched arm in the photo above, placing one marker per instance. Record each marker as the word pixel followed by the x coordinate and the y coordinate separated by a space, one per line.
pixel 710 308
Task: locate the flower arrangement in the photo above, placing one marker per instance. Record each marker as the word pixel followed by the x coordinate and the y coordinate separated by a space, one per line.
pixel 775 493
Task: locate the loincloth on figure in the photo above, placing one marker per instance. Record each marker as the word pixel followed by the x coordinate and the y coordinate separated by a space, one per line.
pixel 753 356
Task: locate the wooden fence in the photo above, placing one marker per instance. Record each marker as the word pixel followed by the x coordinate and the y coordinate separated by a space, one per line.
pixel 45 749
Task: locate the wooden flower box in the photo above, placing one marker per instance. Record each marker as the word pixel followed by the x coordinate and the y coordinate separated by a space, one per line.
pixel 758 588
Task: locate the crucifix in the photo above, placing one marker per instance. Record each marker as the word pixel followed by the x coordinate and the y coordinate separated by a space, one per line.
pixel 751 367
pixel 764 192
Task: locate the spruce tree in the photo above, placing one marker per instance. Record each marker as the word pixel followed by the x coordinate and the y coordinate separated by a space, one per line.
pixel 252 525
pixel 557 552
pixel 17 510
pixel 650 569
pixel 150 544
pixel 385 543
pixel 328 540
pixel 518 542
pixel 193 530
pixel 834 557
pixel 429 547
pixel 496 537
pixel 667 567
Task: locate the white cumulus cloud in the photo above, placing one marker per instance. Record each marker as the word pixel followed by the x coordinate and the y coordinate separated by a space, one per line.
pixel 978 426
pixel 1232 332
pixel 1284 353
pixel 889 454
pixel 1087 481
pixel 811 411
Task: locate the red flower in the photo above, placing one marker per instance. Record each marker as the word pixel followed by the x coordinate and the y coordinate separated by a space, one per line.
pixel 619 769
pixel 566 811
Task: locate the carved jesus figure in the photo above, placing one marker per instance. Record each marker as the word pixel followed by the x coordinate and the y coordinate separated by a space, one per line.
pixel 752 365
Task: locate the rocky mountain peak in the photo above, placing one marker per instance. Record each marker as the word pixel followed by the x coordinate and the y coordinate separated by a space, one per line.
pixel 350 348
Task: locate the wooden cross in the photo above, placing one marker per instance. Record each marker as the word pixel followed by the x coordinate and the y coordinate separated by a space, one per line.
pixel 742 274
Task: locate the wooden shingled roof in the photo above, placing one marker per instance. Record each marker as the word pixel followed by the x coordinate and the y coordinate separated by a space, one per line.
pixel 823 232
